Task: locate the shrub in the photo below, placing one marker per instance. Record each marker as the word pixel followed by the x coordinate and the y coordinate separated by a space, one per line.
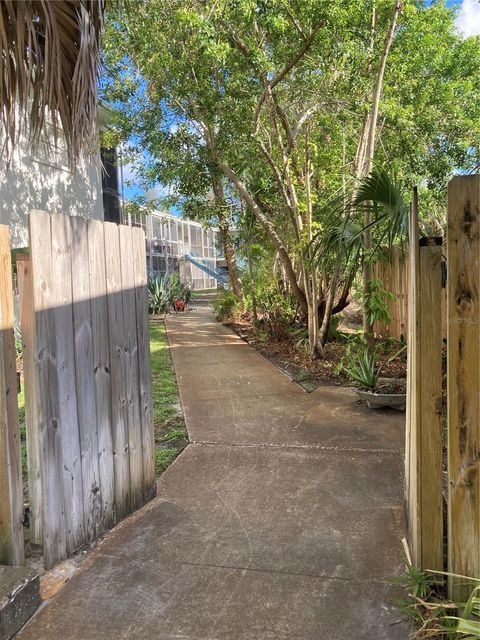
pixel 376 303
pixel 226 306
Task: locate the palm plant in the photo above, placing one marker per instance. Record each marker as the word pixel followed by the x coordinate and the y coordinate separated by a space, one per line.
pixel 49 55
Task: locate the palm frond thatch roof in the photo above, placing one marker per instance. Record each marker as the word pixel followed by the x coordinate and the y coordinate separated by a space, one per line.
pixel 49 55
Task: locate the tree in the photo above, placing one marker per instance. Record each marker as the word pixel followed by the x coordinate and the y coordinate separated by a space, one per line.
pixel 292 103
pixel 50 56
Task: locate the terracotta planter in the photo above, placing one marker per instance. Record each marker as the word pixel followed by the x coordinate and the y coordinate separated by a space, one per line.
pixel 377 400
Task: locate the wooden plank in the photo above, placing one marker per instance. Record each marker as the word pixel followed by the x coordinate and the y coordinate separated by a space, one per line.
pixel 11 485
pixel 131 366
pixel 54 532
pixel 430 416
pixel 145 374
pixel 32 427
pixel 463 251
pixel 67 409
pixel 117 346
pixel 84 376
pixel 412 444
pixel 102 369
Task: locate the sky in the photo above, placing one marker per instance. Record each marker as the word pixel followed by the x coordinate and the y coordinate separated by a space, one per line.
pixel 468 23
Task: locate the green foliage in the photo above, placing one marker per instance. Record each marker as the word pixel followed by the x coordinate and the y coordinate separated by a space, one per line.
pixel 376 299
pixel 418 583
pixel 278 311
pixel 434 615
pixel 164 458
pixel 333 332
pixel 175 434
pixel 355 345
pixel 363 371
pixel 226 306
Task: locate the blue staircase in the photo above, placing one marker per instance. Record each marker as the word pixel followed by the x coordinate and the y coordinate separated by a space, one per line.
pixel 208 266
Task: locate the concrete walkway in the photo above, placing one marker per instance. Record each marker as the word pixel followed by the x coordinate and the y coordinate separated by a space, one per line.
pixel 282 520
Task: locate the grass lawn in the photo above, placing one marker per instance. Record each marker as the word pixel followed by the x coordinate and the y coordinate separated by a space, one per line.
pixel 170 432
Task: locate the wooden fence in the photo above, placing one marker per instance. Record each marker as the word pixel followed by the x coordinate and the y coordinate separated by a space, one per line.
pixel 83 311
pixel 393 270
pixel 424 468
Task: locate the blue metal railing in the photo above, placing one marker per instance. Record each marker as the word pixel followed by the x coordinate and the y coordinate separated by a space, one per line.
pixel 208 266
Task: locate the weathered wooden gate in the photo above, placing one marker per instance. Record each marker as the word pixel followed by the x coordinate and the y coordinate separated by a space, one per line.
pixel 89 426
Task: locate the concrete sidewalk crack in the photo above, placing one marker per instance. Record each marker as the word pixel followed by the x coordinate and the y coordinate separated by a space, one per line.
pixel 319 576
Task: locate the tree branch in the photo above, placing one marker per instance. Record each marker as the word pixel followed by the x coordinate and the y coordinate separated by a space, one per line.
pixel 281 74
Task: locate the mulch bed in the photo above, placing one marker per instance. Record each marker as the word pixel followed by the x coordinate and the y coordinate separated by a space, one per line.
pixel 308 372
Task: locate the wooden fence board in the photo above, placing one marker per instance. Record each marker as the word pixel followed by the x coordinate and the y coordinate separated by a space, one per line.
pixel 102 369
pixel 27 323
pixel 412 445
pixel 11 489
pixel 131 366
pixel 85 384
pixel 47 391
pixel 430 418
pixel 464 379
pixel 145 376
pixel 423 449
pixel 67 410
pixel 117 344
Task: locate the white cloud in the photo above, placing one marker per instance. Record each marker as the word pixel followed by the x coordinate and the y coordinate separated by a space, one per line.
pixel 468 18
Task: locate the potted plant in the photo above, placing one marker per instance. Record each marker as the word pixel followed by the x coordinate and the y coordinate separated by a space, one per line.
pixel 182 296
pixel 374 390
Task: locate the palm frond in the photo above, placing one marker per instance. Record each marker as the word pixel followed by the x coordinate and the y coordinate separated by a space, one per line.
pixel 381 194
pixel 381 188
pixel 49 62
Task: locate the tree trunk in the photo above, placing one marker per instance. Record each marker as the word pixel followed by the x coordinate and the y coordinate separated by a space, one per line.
pixel 365 154
pixel 252 285
pixel 267 226
pixel 227 240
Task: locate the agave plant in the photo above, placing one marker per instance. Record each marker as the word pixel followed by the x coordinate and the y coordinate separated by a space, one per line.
pixel 159 294
pixel 363 371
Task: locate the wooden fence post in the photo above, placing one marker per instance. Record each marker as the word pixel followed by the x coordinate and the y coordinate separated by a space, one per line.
pixel 424 394
pixel 11 486
pixel 27 324
pixel 463 329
